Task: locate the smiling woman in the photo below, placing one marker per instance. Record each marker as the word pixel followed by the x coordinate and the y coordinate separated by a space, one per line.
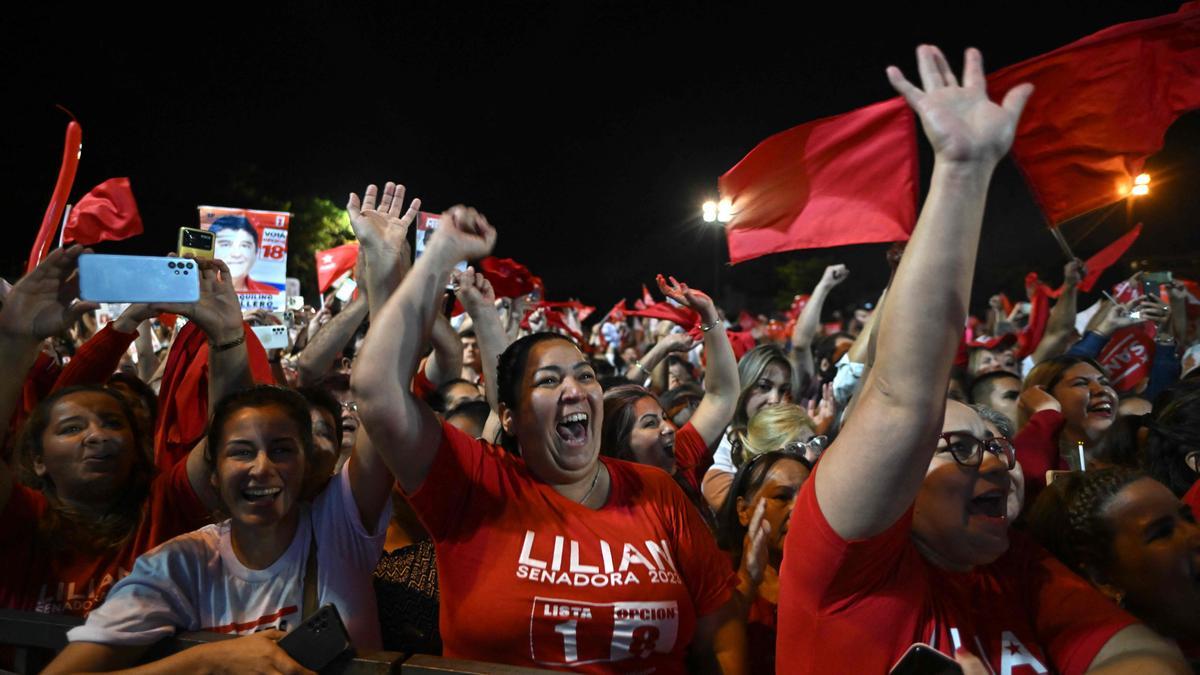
pixel 590 563
pixel 260 570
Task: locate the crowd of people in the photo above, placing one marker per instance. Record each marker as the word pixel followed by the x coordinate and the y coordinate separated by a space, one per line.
pixel 650 497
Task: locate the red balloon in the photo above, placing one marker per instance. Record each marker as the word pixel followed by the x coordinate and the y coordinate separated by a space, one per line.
pixel 58 201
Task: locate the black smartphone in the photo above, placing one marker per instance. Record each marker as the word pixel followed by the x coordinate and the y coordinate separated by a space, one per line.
pixel 1152 283
pixel 318 640
pixel 921 659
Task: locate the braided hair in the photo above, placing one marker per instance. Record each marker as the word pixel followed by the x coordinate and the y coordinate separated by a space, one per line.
pixel 1068 518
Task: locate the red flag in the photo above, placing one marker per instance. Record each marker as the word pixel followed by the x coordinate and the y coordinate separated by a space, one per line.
pixel 107 213
pixel 846 179
pixel 1127 356
pixel 1107 257
pixel 684 317
pixel 1102 106
pixel 509 278
pixel 334 262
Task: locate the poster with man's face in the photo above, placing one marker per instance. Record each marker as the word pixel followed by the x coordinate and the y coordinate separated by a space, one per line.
pixel 253 244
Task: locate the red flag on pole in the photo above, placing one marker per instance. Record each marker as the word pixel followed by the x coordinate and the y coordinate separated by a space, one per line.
pixel 1102 106
pixel 1107 257
pixel 846 179
pixel 333 263
pixel 107 213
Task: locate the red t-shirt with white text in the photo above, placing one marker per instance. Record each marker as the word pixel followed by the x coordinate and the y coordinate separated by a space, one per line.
pixel 528 577
pixel 856 606
pixel 69 582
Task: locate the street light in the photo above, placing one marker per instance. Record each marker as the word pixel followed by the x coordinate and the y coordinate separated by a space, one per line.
pixel 713 212
pixel 1141 185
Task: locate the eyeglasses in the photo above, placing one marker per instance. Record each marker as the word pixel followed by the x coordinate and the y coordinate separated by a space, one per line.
pixel 968 450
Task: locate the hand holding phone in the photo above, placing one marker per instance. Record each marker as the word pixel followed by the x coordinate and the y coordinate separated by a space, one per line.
pixel 133 278
pixel 318 640
pixel 197 243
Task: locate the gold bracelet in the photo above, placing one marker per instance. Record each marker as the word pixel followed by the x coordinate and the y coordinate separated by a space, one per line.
pixel 707 327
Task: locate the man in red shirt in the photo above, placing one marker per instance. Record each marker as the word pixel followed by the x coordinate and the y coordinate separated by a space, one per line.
pixel 901 535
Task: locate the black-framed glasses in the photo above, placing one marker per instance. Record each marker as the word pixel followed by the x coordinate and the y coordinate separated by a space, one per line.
pixel 968 450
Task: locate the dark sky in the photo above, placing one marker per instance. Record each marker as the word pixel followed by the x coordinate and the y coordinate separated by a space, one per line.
pixel 588 132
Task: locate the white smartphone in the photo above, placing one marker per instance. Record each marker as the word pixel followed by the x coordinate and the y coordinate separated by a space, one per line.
pixel 272 337
pixel 346 290
pixel 136 278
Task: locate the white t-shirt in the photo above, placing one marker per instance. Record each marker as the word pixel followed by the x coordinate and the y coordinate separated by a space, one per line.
pixel 196 582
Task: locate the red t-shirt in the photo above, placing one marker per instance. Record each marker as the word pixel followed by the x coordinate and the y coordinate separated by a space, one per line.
pixel 692 455
pixel 1192 498
pixel 32 578
pixel 856 606
pixel 530 578
pixel 1037 451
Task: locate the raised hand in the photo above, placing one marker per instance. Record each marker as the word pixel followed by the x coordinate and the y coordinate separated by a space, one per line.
pixel 678 342
pixel 41 304
pixel 823 412
pixel 962 125
pixel 1036 399
pixel 463 234
pixel 834 275
pixel 473 289
pixel 1073 273
pixel 383 226
pixel 688 297
pixel 218 312
pixel 755 556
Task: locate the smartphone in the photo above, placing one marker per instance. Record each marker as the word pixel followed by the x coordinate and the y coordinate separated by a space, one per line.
pixel 1152 283
pixel 199 243
pixel 135 278
pixel 346 290
pixel 272 336
pixel 1053 475
pixel 318 640
pixel 295 302
pixel 921 659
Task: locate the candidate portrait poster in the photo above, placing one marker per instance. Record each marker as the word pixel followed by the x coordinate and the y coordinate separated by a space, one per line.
pixel 253 244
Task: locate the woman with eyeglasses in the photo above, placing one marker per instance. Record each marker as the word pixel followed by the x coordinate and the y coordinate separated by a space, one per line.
pixel 906 537
pixel 751 526
pixel 637 430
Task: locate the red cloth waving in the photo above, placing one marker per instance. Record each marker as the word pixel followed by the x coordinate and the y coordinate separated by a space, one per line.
pixel 107 213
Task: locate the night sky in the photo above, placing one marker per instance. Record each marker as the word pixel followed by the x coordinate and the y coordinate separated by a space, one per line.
pixel 588 132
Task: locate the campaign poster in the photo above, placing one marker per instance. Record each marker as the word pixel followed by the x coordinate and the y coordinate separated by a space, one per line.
pixel 254 245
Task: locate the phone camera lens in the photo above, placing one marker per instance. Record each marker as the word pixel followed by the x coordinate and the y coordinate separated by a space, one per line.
pixel 189 265
pixel 176 271
pixel 171 265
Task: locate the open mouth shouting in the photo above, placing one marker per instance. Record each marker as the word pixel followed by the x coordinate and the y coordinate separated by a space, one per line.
pixel 261 496
pixel 573 429
pixel 992 505
pixel 1102 407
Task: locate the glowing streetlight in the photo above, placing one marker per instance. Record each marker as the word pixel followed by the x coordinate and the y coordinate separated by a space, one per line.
pixel 1141 185
pixel 712 211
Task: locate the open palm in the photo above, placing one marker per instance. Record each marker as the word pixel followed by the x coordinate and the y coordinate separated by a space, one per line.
pixel 961 123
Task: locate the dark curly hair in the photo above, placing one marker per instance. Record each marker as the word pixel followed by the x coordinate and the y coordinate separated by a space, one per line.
pixel 1068 520
pixel 510 374
pixel 61 527
pixel 1173 433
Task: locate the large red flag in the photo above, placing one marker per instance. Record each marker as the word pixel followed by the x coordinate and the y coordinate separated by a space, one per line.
pixel 846 179
pixel 333 263
pixel 107 213
pixel 1107 257
pixel 1102 106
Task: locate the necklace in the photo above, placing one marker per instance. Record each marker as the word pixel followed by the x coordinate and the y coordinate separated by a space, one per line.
pixel 593 487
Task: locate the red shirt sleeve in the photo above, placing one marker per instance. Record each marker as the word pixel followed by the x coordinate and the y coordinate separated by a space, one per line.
pixel 1037 450
pixel 174 507
pixel 96 359
pixel 1073 619
pixel 823 568
pixel 455 474
pixel 693 457
pixel 421 386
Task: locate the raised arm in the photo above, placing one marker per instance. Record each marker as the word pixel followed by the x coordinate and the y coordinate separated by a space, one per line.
pixel 645 366
pixel 219 314
pixel 895 425
pixel 478 298
pixel 38 306
pixel 402 428
pixel 810 319
pixel 721 385
pixel 446 361
pixel 1060 327
pixel 322 350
